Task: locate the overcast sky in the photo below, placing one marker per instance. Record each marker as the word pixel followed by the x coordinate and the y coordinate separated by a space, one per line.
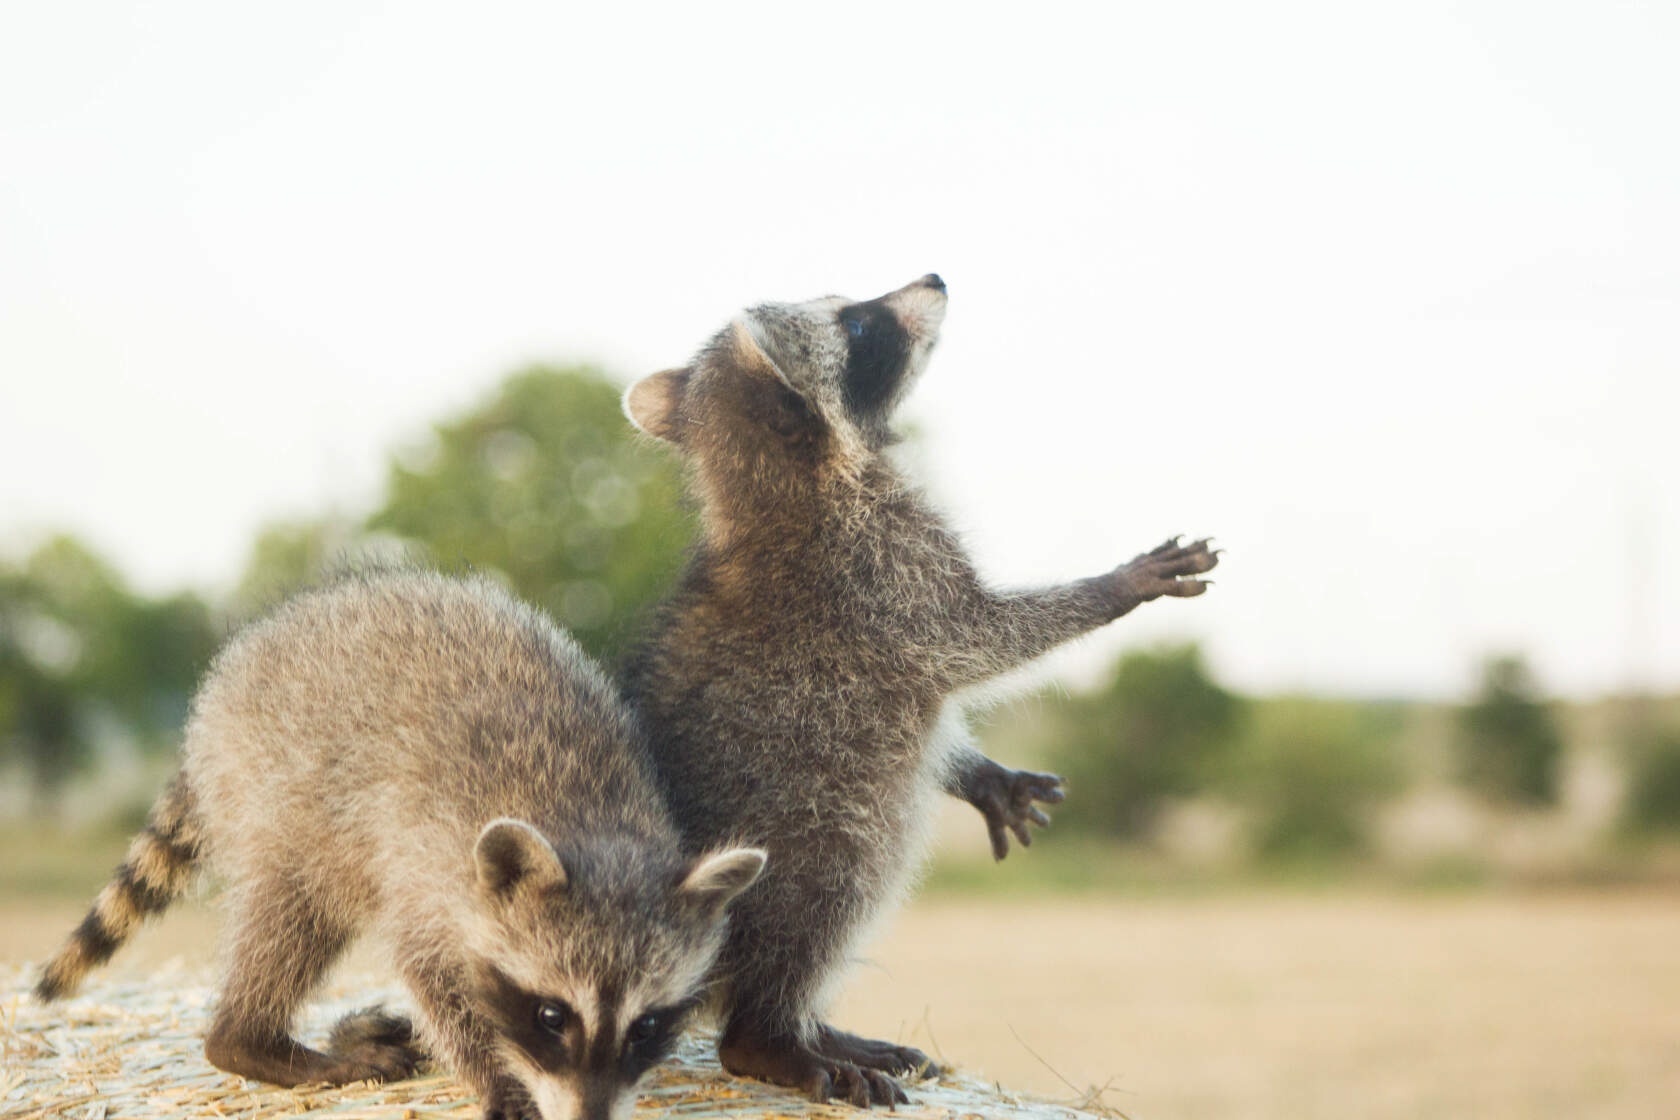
pixel 1384 296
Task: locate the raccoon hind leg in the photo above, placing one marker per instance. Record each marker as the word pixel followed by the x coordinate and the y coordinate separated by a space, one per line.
pixel 280 943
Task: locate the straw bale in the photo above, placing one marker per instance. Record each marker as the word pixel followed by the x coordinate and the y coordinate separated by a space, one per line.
pixel 134 1051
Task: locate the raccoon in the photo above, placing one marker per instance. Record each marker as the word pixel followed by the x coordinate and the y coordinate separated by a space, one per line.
pixel 429 762
pixel 798 681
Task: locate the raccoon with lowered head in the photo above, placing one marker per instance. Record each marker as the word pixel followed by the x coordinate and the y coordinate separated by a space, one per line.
pixel 796 682
pixel 429 762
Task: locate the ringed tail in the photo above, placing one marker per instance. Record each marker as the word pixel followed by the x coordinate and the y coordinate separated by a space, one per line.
pixel 156 871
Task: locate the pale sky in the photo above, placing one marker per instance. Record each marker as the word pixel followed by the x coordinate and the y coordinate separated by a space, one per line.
pixel 1384 297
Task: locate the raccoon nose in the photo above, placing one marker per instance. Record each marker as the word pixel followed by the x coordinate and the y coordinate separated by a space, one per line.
pixel 932 280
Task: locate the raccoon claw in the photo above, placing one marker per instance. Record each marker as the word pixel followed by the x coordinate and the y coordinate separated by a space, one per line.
pixel 1162 571
pixel 1006 798
pixel 894 1091
pixel 857 1086
pixel 871 1054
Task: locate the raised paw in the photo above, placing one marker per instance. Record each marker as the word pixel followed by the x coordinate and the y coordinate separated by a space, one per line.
pixel 1163 570
pixel 1008 800
pixel 783 1060
pixel 375 1045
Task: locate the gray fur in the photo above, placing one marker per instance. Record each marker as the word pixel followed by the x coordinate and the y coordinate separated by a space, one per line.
pixel 431 763
pixel 797 682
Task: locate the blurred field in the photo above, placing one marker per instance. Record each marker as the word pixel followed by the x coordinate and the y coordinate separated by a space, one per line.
pixel 1241 1004
pixel 1303 1005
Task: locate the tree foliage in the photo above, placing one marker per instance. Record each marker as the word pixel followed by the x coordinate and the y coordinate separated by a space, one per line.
pixel 1305 774
pixel 1308 774
pixel 77 646
pixel 1653 792
pixel 1153 732
pixel 293 554
pixel 1509 747
pixel 547 484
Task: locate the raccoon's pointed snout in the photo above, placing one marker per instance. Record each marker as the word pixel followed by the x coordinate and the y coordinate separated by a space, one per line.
pixel 924 299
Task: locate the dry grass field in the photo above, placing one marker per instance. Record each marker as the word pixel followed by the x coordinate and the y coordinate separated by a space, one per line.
pixel 1303 1006
pixel 1237 1004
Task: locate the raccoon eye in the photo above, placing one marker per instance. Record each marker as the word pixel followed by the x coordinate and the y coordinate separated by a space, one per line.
pixel 643 1030
pixel 552 1017
pixel 854 327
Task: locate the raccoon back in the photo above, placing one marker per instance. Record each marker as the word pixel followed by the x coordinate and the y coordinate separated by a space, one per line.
pixel 411 703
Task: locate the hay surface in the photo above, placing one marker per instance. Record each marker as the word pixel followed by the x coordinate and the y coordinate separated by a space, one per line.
pixel 121 1050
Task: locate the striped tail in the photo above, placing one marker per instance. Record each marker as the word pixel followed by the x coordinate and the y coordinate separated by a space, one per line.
pixel 157 870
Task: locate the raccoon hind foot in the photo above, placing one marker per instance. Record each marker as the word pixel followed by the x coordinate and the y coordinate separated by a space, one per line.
pixel 281 1060
pixel 783 1060
pixel 377 1040
pixel 867 1052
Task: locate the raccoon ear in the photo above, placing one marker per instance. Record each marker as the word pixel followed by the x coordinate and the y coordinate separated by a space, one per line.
pixel 652 403
pixel 510 853
pixel 716 879
pixel 749 352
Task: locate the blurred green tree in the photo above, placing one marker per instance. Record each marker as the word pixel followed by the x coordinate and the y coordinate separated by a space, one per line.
pixel 547 484
pixel 288 556
pixel 1153 732
pixel 1509 747
pixel 77 647
pixel 39 729
pixel 1652 804
pixel 1310 772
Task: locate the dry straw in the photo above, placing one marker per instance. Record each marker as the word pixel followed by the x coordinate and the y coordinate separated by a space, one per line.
pixel 122 1050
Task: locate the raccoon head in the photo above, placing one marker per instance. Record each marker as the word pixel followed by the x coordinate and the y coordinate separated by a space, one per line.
pixel 810 380
pixel 594 957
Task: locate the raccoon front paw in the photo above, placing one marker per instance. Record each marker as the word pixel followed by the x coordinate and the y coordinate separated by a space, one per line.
pixel 1007 800
pixel 783 1060
pixel 507 1100
pixel 1161 571
pixel 377 1042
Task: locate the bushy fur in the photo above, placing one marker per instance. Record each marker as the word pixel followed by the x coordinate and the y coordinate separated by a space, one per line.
pixel 797 676
pixel 430 762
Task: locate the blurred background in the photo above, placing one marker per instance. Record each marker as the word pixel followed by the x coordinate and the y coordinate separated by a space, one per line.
pixel 1382 298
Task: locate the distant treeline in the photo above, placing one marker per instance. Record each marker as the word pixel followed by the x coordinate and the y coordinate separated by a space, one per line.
pixel 1310 777
pixel 544 485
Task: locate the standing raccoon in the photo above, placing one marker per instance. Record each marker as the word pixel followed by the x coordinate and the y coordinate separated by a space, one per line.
pixel 430 762
pixel 794 683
